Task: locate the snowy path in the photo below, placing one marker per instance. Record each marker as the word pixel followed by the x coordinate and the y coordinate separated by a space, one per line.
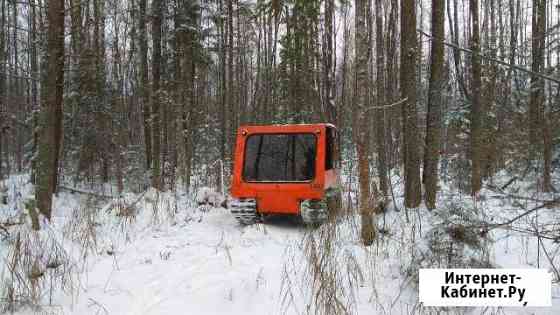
pixel 210 267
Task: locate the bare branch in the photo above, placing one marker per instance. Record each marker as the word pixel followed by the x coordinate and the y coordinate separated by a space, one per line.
pixel 503 63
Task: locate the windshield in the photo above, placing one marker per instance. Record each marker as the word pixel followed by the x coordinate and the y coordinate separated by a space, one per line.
pixel 280 158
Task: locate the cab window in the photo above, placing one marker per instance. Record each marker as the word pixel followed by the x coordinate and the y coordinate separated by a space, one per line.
pixel 280 157
pixel 331 149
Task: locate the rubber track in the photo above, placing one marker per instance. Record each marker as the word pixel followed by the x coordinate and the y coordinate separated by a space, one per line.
pixel 314 212
pixel 244 211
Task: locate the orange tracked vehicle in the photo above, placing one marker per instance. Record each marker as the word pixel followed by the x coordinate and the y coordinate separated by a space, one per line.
pixel 285 169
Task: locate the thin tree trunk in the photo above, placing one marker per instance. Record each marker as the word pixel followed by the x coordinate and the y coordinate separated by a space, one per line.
pixel 2 84
pixel 101 115
pixel 17 95
pixel 230 75
pixel 329 106
pixel 381 112
pixel 477 110
pixel 489 92
pixel 537 65
pixel 178 84
pixel 189 77
pixel 34 88
pixel 145 89
pixel 223 105
pixel 391 95
pixel 118 107
pixel 157 7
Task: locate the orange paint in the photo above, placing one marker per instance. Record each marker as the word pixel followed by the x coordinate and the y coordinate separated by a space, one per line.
pixel 284 197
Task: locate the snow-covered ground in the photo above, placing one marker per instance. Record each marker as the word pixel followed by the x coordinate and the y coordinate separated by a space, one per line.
pixel 207 266
pixel 164 255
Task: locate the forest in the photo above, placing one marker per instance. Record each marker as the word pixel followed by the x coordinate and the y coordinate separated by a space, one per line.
pixel 448 113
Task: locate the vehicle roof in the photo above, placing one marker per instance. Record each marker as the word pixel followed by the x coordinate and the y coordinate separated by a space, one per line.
pixel 290 125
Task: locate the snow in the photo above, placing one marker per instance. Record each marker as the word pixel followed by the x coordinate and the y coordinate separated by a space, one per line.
pixel 166 256
pixel 211 267
pixel 208 196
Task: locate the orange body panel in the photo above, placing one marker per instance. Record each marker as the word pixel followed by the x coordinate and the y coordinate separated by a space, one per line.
pixel 282 197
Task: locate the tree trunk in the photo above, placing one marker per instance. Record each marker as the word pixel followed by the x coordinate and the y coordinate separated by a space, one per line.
pixel 223 85
pixel 435 97
pixel 362 56
pixel 34 88
pixel 3 105
pixel 409 51
pixel 329 106
pixel 156 97
pixel 118 107
pixel 178 85
pixel 489 93
pixel 189 68
pixel 391 90
pixel 144 84
pixel 101 115
pixel 539 133
pixel 47 163
pixel 232 98
pixel 537 83
pixel 381 112
pixel 477 110
pixel 17 95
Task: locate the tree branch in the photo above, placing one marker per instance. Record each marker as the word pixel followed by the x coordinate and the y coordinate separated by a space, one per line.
pixel 503 63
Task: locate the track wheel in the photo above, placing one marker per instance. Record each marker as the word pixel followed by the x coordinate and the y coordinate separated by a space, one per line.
pixel 244 211
pixel 317 212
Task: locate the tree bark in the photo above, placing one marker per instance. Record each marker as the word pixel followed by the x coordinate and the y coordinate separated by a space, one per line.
pixel 34 89
pixel 232 97
pixel 477 110
pixel 368 232
pixel 539 133
pixel 2 83
pixel 101 113
pixel 144 84
pixel 223 89
pixel 189 68
pixel 435 97
pixel 157 7
pixel 329 106
pixel 409 51
pixel 381 112
pixel 47 166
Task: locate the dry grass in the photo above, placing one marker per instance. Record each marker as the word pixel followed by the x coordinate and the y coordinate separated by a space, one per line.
pixel 81 228
pixel 321 271
pixel 35 266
